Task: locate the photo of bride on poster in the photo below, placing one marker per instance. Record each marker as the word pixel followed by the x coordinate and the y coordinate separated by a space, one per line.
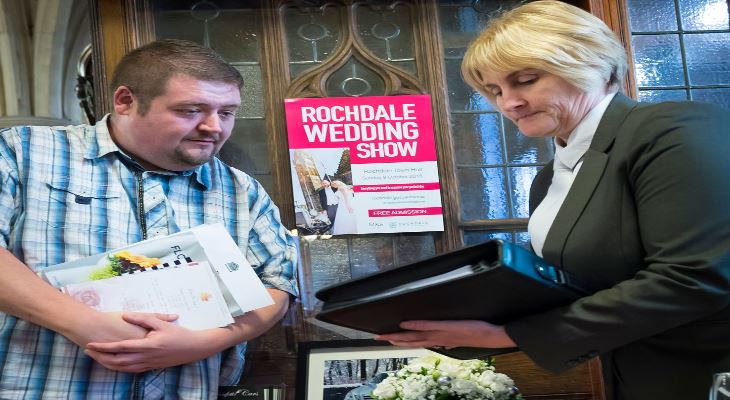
pixel 324 199
pixel 345 220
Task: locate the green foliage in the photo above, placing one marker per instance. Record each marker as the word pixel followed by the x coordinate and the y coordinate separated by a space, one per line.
pixel 103 273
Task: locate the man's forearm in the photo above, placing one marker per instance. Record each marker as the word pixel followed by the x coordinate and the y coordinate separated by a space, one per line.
pixel 25 295
pixel 254 323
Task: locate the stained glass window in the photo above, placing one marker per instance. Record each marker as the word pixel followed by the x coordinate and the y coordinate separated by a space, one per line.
pixel 495 163
pixel 681 49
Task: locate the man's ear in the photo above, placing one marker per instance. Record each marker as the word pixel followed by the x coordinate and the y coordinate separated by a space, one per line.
pixel 124 100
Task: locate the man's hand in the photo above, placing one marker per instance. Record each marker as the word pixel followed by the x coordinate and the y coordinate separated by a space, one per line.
pixel 449 334
pixel 164 345
pixel 109 327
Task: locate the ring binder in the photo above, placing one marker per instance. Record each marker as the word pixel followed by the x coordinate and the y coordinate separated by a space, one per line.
pixel 493 281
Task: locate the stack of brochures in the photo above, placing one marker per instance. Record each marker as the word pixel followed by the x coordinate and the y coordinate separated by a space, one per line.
pixel 199 274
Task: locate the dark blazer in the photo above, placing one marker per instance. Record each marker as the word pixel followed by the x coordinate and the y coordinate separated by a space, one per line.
pixel 646 225
pixel 323 196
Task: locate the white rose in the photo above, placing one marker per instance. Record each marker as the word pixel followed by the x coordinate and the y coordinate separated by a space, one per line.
pixel 454 370
pixel 415 387
pixel 387 389
pixel 463 386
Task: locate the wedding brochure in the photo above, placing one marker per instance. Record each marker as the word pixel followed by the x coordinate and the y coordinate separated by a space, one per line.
pixel 199 274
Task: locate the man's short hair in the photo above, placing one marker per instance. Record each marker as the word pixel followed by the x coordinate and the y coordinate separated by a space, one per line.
pixel 146 70
pixel 552 36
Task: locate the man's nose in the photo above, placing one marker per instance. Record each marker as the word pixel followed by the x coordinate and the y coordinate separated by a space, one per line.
pixel 212 123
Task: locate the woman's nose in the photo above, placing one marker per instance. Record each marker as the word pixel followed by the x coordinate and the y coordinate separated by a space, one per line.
pixel 511 99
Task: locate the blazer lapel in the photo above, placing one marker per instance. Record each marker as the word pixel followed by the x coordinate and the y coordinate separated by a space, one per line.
pixel 594 164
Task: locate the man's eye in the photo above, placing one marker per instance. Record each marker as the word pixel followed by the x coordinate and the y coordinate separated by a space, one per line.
pixel 189 111
pixel 227 114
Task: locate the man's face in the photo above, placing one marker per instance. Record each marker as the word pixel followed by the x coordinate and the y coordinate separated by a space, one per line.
pixel 183 128
pixel 326 183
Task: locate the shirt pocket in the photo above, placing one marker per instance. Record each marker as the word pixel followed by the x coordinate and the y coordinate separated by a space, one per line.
pixel 83 207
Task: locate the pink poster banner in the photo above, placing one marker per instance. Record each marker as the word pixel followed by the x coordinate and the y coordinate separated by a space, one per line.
pixel 354 157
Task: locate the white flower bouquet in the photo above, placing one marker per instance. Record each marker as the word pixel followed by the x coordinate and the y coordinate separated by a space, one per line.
pixel 442 378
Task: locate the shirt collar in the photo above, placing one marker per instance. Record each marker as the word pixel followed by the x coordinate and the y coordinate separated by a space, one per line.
pixel 580 139
pixel 101 144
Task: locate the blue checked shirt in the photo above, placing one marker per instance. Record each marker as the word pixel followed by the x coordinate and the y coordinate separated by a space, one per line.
pixel 70 192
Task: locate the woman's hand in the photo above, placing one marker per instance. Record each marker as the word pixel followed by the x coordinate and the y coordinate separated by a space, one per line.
pixel 449 334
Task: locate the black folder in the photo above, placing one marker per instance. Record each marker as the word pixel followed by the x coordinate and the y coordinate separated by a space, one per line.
pixel 493 281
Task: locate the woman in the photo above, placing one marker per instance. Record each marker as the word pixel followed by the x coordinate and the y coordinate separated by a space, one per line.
pixel 345 220
pixel 636 205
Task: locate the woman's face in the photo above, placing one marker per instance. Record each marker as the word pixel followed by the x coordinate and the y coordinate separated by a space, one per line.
pixel 541 104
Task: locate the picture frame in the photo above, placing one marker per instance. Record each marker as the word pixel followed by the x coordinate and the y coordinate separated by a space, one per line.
pixel 340 369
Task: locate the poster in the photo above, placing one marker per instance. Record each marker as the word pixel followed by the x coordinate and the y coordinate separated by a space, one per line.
pixel 364 165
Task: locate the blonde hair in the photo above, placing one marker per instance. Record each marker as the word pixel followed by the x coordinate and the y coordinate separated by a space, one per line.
pixel 551 36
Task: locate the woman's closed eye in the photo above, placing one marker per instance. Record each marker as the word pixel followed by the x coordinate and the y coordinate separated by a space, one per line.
pixel 525 80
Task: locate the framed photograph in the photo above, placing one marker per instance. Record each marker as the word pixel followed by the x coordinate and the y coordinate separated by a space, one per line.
pixel 347 369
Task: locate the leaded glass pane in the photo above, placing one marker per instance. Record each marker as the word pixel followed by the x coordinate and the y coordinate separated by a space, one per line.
pixel 247 148
pixel 479 136
pixel 477 139
pixel 387 32
pixel 412 248
pixel 178 25
pixel 520 182
pixel 476 237
pixel 652 15
pixel 520 238
pixel 353 79
pixel 408 66
pixel 329 261
pixel 460 22
pixel 708 58
pixel 719 96
pixel 657 96
pixel 661 61
pixel 232 39
pixel 312 35
pixel 252 92
pixel 526 150
pixel 657 60
pixel 483 193
pixel 702 15
pixel 461 96
pixel 523 239
pixel 371 254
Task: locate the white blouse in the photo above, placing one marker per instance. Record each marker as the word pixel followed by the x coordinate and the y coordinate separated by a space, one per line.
pixel 567 163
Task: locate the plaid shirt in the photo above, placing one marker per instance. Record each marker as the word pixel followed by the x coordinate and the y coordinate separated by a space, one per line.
pixel 70 192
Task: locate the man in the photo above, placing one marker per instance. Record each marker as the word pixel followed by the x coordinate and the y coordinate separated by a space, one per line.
pixel 147 170
pixel 328 199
